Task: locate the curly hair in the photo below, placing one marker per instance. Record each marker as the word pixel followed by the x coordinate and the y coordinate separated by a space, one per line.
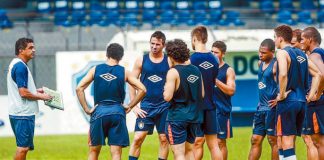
pixel 178 50
pixel 285 32
pixel 200 33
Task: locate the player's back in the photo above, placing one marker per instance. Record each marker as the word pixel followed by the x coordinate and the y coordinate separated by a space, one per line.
pixel 268 88
pixel 297 74
pixel 208 66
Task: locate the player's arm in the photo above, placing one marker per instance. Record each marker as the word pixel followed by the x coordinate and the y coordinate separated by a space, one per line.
pixel 229 87
pixel 170 84
pixel 316 78
pixel 283 74
pixel 202 88
pixel 136 85
pixel 317 60
pixel 273 102
pixel 84 83
pixel 135 72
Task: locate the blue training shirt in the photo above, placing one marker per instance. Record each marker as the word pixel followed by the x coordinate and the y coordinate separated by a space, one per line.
pixel 222 100
pixel 208 66
pixel 153 77
pixel 268 88
pixel 297 75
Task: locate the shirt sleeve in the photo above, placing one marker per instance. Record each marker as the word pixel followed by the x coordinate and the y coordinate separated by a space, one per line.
pixel 20 75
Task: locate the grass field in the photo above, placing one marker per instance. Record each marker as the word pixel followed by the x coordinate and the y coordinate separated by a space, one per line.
pixel 75 147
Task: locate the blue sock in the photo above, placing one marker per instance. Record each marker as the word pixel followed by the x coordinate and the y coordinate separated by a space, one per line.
pixel 289 153
pixel 132 158
pixel 280 154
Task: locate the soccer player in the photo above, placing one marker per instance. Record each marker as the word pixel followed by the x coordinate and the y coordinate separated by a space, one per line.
pixel 23 96
pixel 291 100
pixel 184 90
pixel 224 90
pixel 108 117
pixel 152 69
pixel 312 153
pixel 208 66
pixel 311 40
pixel 264 118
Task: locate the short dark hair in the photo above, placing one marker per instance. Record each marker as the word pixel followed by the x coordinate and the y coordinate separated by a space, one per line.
pixel 22 43
pixel 312 32
pixel 297 33
pixel 269 43
pixel 159 35
pixel 200 33
pixel 115 51
pixel 285 32
pixel 220 45
pixel 178 50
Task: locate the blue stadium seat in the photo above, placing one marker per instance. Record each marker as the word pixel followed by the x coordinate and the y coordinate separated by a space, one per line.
pixel 4 24
pixel 167 16
pixel 149 13
pixel 166 5
pixel 77 17
pixel 131 19
pixel 285 17
pixel 199 5
pixel 320 16
pixel 215 5
pixel 305 17
pixel 321 4
pixel 199 17
pixel 96 6
pixel 215 16
pixel 307 4
pixel 183 13
pixel 267 6
pixel 286 5
pixel 60 17
pixel 130 14
pixel 95 17
pixel 78 5
pixel 44 6
pixel 149 5
pixel 112 17
pixel 112 5
pixel 61 5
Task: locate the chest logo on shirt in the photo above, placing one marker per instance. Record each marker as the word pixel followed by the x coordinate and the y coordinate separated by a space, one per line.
pixel 192 78
pixel 154 78
pixel 300 59
pixel 206 65
pixel 261 85
pixel 108 77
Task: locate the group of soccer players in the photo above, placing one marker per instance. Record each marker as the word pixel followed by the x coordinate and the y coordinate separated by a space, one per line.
pixel 188 97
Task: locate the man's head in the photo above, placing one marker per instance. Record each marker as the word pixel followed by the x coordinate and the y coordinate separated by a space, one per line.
pixel 25 47
pixel 283 34
pixel 266 50
pixel 295 41
pixel 310 36
pixel 115 51
pixel 177 51
pixel 157 42
pixel 199 35
pixel 219 49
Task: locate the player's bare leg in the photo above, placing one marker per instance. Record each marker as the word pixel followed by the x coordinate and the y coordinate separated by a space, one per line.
pixel 189 152
pixel 213 147
pixel 222 147
pixel 288 143
pixel 319 144
pixel 94 152
pixel 135 148
pixel 312 153
pixel 116 152
pixel 21 153
pixel 164 147
pixel 179 151
pixel 274 147
pixel 198 148
pixel 256 147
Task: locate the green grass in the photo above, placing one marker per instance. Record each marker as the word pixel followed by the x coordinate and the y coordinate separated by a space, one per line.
pixel 75 147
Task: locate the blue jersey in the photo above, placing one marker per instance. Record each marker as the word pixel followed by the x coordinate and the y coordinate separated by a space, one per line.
pixel 297 74
pixel 222 100
pixel 319 51
pixel 208 66
pixel 268 88
pixel 153 77
pixel 188 97
pixel 109 90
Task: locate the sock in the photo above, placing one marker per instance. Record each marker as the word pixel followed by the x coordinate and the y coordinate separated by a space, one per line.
pixel 289 154
pixel 161 159
pixel 280 154
pixel 132 158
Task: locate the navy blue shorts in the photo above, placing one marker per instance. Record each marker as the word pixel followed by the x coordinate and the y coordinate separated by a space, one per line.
pixel 314 120
pixel 290 116
pixel 179 132
pixel 210 124
pixel 112 127
pixel 155 117
pixel 225 127
pixel 23 128
pixel 264 122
